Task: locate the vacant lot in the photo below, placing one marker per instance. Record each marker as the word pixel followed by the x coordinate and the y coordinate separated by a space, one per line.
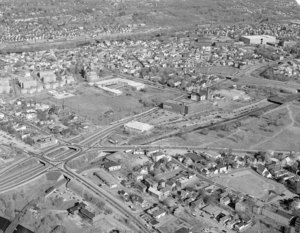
pixel 248 182
pixel 102 108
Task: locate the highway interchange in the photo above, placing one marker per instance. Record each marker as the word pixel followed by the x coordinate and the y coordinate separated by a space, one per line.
pixel 67 151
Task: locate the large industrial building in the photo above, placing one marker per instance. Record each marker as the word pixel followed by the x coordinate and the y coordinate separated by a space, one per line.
pixel 176 106
pixel 259 39
pixel 107 84
pixel 138 127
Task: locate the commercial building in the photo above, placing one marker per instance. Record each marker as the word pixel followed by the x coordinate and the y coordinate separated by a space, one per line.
pixel 258 39
pixel 138 127
pixel 47 76
pixel 176 106
pixel 27 82
pixel 104 84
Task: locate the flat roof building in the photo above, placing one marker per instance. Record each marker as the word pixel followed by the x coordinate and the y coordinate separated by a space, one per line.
pixel 258 39
pixel 27 81
pixel 48 76
pixel 138 126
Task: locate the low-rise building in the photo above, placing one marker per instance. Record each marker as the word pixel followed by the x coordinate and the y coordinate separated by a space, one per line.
pixel 157 212
pixel 43 141
pixel 27 82
pixel 47 76
pixel 111 166
pixel 176 106
pixel 259 39
pixel 155 193
pixel 158 156
pixel 138 127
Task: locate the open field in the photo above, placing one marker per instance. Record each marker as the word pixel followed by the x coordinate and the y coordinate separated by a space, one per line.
pixel 250 183
pixel 263 134
pixel 103 108
pixel 278 129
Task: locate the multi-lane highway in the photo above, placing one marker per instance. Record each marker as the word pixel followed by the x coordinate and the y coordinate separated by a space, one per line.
pixel 66 152
pixel 59 156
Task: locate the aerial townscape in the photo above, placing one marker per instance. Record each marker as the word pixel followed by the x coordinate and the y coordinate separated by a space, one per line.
pixel 150 116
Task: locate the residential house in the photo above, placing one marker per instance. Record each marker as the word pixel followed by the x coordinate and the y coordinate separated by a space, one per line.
pixel 243 226
pixel 225 201
pixel 151 183
pixel 155 193
pixel 231 224
pixel 166 191
pixel 158 156
pixel 225 219
pixel 198 204
pixel 140 187
pixel 172 184
pixel 157 212
pixel 262 170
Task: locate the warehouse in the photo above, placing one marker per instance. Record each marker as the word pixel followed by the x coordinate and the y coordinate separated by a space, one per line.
pixel 139 127
pixel 259 39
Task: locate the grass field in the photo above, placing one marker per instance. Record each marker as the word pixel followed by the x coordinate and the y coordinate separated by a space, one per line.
pixel 101 108
pixel 248 182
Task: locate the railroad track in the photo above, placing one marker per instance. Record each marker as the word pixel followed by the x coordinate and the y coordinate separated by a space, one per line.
pixel 107 198
pixel 224 121
pixel 14 180
pixel 16 184
pixel 11 169
pixel 19 174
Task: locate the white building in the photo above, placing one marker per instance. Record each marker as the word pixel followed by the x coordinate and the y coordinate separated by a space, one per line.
pixel 259 39
pixel 138 126
pixel 27 81
pixel 48 76
pixel 104 84
pixel 5 85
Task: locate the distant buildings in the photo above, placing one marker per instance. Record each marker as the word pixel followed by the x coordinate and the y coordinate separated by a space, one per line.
pixel 138 127
pixel 119 82
pixel 258 39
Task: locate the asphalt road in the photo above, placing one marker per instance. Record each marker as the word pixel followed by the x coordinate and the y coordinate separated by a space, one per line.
pixel 87 144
